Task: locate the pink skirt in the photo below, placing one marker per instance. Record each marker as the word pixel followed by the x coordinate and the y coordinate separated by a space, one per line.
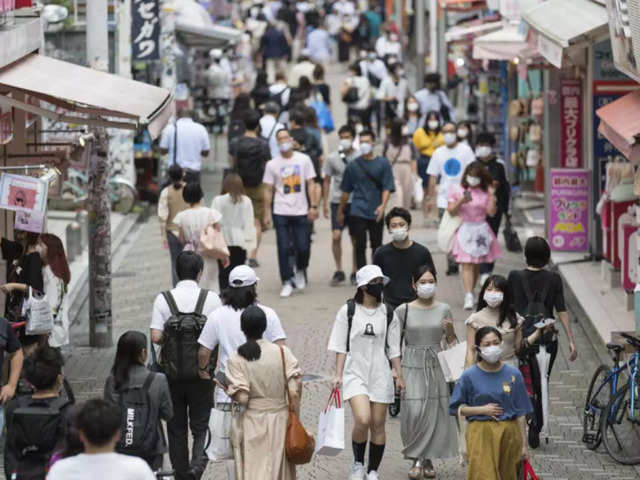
pixel 475 243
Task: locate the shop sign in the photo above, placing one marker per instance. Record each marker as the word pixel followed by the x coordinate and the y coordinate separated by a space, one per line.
pixel 6 123
pixel 571 123
pixel 550 50
pixel 22 193
pixel 568 209
pixel 623 22
pixel 145 29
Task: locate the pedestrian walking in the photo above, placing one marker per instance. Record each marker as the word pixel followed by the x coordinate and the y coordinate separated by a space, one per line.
pixel 129 376
pixel 257 376
pixel 319 44
pixel 274 49
pixel 364 335
pixel 493 398
pixel 320 85
pixel 356 93
pixel 393 91
pixel 241 108
pixel 412 114
pixel 432 97
pixel 465 133
pixel 307 140
pixel 98 425
pixel 249 156
pixel 426 139
pixel 403 164
pixel 484 152
pixel 333 171
pixel 375 70
pixel 349 21
pixel 170 203
pixel 269 125
pixel 495 309
pixel 219 78
pixel 303 68
pixel 191 396
pixel 474 242
pixel 192 222
pixel 427 431
pixel 260 94
pixel 186 143
pixel 288 178
pixel 368 180
pixel 398 258
pixel 280 93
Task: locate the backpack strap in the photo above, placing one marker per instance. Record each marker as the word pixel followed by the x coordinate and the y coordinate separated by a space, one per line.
pixel 351 310
pixel 202 298
pixel 171 302
pixel 147 382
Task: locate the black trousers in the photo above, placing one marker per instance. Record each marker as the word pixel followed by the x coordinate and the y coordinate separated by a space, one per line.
pixel 494 223
pixel 359 228
pixel 191 176
pixel 237 256
pixel 192 402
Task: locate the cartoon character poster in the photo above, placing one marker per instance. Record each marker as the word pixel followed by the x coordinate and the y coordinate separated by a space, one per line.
pixel 22 193
pixel 291 179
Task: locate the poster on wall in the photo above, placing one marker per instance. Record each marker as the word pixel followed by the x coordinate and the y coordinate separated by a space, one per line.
pixel 571 123
pixel 29 221
pixel 145 30
pixel 22 193
pixel 569 209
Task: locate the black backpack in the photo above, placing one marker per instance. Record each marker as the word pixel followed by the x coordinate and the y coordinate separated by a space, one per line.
pixel 277 97
pixel 35 428
pixel 251 158
pixel 536 309
pixel 180 346
pixel 138 431
pixel 351 310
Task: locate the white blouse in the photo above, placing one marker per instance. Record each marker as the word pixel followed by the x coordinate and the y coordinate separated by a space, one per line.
pixel 237 223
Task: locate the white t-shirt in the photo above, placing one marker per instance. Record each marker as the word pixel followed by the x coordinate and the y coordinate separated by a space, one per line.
pixel 449 164
pixel 186 296
pixel 289 177
pixel 223 329
pixel 364 92
pixel 192 140
pixel 101 466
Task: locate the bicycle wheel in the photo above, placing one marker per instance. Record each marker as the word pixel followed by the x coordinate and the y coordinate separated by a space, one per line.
pixel 598 397
pixel 123 195
pixel 620 426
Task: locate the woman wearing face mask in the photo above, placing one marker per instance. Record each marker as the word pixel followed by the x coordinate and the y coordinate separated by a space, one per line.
pixel 427 431
pixel 400 154
pixel 412 114
pixel 465 133
pixel 362 345
pixel 493 398
pixel 474 243
pixel 426 139
pixel 495 309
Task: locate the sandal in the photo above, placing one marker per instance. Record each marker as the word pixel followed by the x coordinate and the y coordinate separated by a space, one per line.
pixel 416 471
pixel 427 470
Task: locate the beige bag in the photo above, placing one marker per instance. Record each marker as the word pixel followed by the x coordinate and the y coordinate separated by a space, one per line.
pixel 447 231
pixel 212 244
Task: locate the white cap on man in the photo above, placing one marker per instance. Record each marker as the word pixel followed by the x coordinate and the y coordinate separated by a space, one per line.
pixel 242 276
pixel 368 273
pixel 215 54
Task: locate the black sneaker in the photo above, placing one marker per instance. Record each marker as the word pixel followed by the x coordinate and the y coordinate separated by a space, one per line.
pixel 353 279
pixel 253 263
pixel 338 278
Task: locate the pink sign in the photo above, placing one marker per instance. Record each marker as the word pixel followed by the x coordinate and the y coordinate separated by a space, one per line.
pixel 571 123
pixel 569 209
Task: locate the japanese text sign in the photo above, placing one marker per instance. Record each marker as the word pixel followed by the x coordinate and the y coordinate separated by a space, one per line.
pixel 571 123
pixel 569 209
pixel 145 30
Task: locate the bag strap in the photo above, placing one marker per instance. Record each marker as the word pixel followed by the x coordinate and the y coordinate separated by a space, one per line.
pixel 147 382
pixel 175 142
pixel 173 308
pixel 389 320
pixel 286 382
pixel 404 324
pixel 202 298
pixel 371 178
pixel 351 310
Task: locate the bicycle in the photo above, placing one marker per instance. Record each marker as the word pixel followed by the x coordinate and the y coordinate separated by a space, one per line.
pixel 122 193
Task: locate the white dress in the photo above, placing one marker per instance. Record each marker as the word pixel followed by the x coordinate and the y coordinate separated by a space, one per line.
pixel 366 369
pixel 192 222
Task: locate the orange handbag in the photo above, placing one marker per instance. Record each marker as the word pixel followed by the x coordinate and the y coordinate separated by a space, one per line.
pixel 212 245
pixel 298 445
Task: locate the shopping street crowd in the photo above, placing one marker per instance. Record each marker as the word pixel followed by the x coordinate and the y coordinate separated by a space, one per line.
pixel 216 365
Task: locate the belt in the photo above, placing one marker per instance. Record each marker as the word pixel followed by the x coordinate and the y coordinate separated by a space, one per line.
pixel 233 407
pixel 190 170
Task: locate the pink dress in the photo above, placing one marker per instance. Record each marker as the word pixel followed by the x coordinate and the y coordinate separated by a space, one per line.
pixel 474 241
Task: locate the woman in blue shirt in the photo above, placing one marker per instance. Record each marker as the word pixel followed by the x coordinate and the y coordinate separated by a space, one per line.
pixel 493 397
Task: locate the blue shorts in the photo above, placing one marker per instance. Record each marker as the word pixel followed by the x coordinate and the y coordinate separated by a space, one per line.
pixel 423 164
pixel 334 218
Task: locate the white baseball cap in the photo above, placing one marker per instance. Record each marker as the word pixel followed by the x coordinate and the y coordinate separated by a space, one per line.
pixel 215 53
pixel 368 273
pixel 242 276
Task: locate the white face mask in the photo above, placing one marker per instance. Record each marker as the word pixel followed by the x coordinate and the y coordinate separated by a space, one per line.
pixel 450 138
pixel 399 234
pixel 492 353
pixel 483 151
pixel 393 37
pixel 412 107
pixel 365 148
pixel 473 181
pixel 285 147
pixel 493 298
pixel 433 124
pixel 426 290
pixel 346 143
pixel 463 132
pixel 359 128
pixel 405 130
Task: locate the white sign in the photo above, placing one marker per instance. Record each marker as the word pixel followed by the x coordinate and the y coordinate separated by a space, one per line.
pixel 550 50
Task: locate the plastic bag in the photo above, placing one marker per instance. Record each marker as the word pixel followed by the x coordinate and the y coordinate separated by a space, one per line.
pixel 39 314
pixel 418 191
pixel 219 427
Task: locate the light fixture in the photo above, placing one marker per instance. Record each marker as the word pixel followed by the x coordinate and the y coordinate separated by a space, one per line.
pixel 460 62
pixel 516 60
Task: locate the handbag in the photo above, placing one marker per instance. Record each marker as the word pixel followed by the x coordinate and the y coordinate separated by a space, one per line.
pixel 452 361
pixel 511 239
pixel 325 120
pixel 527 471
pixel 212 245
pixel 447 231
pixel 39 315
pixel 351 95
pixel 298 444
pixel 219 428
pixel 331 427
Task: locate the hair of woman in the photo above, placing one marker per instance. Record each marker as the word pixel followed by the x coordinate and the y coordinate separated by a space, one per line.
pixel 310 117
pixel 396 137
pixel 232 184
pixel 432 115
pixel 253 323
pixel 56 258
pixel 477 169
pixel 129 353
pixel 192 193
pixel 507 312
pixel 239 298
pixel 175 175
pixel 421 270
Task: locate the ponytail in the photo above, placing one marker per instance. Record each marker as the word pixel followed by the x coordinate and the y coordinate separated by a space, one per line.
pixel 250 351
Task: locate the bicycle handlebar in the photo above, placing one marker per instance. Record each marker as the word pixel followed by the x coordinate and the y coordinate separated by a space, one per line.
pixel 635 341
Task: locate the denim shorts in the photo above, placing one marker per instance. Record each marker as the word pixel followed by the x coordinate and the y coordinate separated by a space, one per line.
pixel 334 218
pixel 423 164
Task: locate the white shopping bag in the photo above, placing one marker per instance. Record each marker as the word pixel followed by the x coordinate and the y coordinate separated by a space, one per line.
pixel 418 191
pixel 219 428
pixel 330 438
pixel 452 361
pixel 39 315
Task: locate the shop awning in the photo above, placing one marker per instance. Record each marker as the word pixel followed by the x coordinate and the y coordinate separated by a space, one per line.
pixel 504 44
pixel 620 124
pixel 564 23
pixel 85 96
pixel 460 33
pixel 212 36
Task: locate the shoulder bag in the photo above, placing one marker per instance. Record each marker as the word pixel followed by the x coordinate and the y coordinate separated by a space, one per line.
pixel 298 444
pixel 371 178
pixel 212 244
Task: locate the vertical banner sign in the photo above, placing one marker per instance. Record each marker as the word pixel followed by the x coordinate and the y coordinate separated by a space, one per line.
pixel 569 209
pixel 145 30
pixel 571 123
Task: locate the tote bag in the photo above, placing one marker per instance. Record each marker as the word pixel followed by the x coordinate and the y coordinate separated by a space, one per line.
pixel 39 314
pixel 447 231
pixel 452 361
pixel 212 245
pixel 331 427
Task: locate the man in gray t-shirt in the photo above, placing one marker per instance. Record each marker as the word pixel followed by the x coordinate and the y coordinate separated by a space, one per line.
pixel 333 170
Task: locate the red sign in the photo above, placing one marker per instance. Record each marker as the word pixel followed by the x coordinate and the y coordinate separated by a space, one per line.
pixel 571 123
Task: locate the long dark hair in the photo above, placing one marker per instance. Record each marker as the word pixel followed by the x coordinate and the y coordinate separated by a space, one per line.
pixel 130 347
pixel 421 270
pixel 432 114
pixel 239 298
pixel 253 323
pixel 175 175
pixel 396 138
pixel 507 312
pixel 56 258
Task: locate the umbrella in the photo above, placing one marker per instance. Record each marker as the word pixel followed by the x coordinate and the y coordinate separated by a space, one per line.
pixel 543 358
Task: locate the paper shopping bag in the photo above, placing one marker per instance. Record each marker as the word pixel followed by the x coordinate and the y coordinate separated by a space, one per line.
pixel 219 427
pixel 452 361
pixel 330 438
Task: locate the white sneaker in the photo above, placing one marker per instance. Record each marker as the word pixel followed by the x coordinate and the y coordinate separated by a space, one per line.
pixel 468 301
pixel 287 290
pixel 372 475
pixel 357 472
pixel 483 278
pixel 299 280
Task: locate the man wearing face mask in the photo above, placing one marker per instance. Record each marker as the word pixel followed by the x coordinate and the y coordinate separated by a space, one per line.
pixel 399 258
pixel 484 152
pixel 389 44
pixel 393 91
pixel 431 97
pixel 370 179
pixel 291 176
pixel 333 170
pixel 376 72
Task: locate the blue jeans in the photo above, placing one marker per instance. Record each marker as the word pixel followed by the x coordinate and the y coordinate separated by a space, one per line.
pixel 292 231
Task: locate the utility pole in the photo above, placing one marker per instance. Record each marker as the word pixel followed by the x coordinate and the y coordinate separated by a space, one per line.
pixel 419 15
pixel 100 317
